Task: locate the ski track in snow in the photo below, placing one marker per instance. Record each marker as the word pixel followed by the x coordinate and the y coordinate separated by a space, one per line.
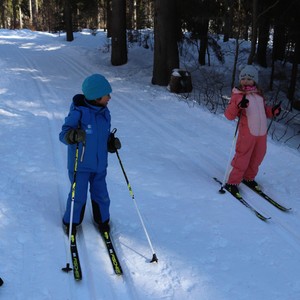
pixel 91 276
pixel 284 223
pixel 172 162
pixel 49 106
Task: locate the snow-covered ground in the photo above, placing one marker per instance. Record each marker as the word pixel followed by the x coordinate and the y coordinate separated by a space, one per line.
pixel 209 246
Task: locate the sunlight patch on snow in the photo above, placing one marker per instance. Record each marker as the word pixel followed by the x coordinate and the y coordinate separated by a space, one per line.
pixel 5 214
pixel 9 34
pixel 28 104
pixel 32 108
pixel 46 114
pixel 86 32
pixel 2 42
pixel 41 47
pixel 43 79
pixel 3 91
pixel 27 45
pixel 18 34
pixel 20 70
pixel 48 48
pixel 7 113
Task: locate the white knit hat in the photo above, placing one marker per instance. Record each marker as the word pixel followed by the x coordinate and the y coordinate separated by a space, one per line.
pixel 249 72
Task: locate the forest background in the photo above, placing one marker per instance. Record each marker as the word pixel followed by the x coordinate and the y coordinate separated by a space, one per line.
pixel 170 27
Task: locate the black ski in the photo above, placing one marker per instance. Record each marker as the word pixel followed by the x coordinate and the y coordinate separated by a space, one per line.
pixel 112 253
pixel 244 202
pixel 266 197
pixel 1 281
pixel 75 260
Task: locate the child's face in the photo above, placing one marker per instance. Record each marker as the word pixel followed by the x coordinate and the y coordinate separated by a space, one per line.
pixel 247 82
pixel 103 101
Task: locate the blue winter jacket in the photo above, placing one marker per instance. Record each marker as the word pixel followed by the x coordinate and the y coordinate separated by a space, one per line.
pixel 95 121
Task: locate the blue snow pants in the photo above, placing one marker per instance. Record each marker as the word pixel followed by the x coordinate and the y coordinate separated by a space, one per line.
pixel 99 197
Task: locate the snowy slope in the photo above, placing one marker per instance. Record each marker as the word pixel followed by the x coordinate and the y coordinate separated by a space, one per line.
pixel 209 246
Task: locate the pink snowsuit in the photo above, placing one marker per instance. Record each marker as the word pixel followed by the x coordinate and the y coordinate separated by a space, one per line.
pixel 251 143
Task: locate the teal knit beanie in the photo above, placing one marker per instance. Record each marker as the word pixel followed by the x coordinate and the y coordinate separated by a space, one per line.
pixel 95 87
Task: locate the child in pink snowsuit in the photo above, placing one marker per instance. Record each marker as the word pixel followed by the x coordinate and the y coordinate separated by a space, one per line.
pixel 248 103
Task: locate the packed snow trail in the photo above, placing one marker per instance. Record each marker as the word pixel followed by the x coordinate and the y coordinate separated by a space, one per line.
pixel 208 245
pixel 42 98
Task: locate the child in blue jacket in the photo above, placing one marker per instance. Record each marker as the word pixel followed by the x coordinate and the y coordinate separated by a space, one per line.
pixel 87 127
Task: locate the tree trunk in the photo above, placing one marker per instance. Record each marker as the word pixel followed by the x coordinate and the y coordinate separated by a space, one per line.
pixel 166 57
pixel 228 20
pixel 20 17
pixel 109 17
pixel 254 33
pixel 263 39
pixel 36 7
pixel 236 56
pixel 30 12
pixel 293 81
pixel 130 22
pixel 118 38
pixel 68 20
pixel 203 30
pixel 279 41
pixel 36 15
pixel 14 5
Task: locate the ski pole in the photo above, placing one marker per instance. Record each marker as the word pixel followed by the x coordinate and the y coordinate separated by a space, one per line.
pixel 67 268
pixel 222 191
pixel 154 257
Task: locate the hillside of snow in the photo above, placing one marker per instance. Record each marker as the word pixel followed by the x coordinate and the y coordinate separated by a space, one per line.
pixel 209 246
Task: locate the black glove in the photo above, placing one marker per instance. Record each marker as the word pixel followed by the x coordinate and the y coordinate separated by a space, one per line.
pixel 74 136
pixel 244 102
pixel 276 110
pixel 113 143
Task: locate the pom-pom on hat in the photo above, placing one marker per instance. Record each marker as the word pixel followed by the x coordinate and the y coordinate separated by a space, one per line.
pixel 95 86
pixel 249 72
